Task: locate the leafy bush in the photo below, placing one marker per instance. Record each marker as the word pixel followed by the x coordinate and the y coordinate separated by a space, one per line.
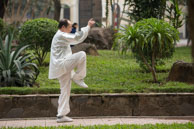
pixel 150 41
pixel 39 34
pixel 16 68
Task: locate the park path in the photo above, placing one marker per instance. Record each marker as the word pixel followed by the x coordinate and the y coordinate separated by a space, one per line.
pixel 88 121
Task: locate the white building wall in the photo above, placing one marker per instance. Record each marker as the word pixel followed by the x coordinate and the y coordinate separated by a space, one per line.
pixel 74 10
pixel 183 28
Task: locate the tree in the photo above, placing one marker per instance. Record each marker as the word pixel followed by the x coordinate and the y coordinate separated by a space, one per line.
pixel 57 5
pixel 191 24
pixel 3 4
pixel 150 41
pixel 16 11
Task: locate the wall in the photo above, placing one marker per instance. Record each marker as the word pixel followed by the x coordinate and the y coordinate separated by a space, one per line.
pixel 89 9
pixel 152 104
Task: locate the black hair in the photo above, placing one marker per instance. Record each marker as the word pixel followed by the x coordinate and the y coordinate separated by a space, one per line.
pixel 63 22
pixel 74 24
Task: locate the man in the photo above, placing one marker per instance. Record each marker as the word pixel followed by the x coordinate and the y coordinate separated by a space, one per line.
pixel 63 62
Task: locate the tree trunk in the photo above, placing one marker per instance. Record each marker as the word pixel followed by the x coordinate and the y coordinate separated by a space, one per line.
pixel 57 5
pixel 191 23
pixel 3 4
pixel 152 69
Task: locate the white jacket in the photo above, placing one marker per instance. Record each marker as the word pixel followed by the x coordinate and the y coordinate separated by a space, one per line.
pixel 60 49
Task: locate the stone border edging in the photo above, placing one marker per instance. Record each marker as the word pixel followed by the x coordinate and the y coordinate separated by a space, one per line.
pixel 103 94
pixel 122 104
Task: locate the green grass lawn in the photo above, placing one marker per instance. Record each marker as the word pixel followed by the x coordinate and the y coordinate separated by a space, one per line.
pixel 113 73
pixel 147 126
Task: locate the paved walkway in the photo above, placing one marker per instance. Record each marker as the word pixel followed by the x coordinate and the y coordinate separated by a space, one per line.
pixel 94 121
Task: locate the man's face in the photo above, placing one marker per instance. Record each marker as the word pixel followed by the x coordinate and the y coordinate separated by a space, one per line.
pixel 68 28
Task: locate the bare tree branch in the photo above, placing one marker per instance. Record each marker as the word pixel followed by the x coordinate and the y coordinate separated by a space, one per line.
pixel 12 12
pixel 19 8
pixel 25 9
pixel 45 9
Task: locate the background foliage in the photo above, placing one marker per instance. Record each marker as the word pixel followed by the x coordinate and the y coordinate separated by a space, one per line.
pixel 140 9
pixel 160 9
pixel 174 13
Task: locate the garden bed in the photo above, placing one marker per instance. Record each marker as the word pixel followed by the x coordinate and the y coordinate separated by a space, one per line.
pixel 112 73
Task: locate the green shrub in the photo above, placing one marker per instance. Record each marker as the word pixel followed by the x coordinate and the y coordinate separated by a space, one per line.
pixel 16 68
pixel 39 34
pixel 150 40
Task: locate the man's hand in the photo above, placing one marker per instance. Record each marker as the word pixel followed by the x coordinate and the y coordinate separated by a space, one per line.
pixel 91 22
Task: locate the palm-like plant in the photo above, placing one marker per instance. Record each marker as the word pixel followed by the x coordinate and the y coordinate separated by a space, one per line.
pixel 150 40
pixel 16 67
pixel 127 38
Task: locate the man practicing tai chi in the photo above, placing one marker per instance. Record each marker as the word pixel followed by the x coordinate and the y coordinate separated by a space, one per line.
pixel 63 62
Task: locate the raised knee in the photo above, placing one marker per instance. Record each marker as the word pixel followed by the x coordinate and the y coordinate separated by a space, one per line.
pixel 83 54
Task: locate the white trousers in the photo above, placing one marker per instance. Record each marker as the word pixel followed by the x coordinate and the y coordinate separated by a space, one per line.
pixel 77 60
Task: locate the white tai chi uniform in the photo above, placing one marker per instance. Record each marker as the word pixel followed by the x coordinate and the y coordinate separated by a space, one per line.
pixel 62 63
